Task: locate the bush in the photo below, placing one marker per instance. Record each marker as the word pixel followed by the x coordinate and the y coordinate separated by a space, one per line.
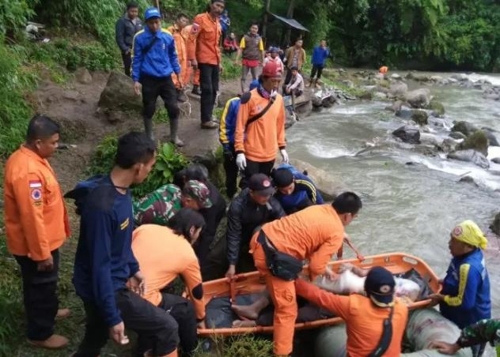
pixel 168 162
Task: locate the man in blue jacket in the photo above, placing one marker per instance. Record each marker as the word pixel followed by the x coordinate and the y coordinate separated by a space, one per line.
pixel 296 190
pixel 226 138
pixel 320 54
pixel 126 28
pixel 106 274
pixel 153 62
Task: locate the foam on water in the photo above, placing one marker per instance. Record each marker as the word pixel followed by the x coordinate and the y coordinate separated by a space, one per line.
pixel 495 80
pixel 323 151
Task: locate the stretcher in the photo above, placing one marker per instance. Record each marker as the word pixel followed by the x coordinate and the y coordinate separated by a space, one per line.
pixel 245 288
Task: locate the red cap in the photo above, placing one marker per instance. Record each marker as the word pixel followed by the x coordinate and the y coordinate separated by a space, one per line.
pixel 271 69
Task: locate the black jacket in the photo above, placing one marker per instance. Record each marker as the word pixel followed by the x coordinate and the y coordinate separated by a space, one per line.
pixel 125 32
pixel 243 217
pixel 213 216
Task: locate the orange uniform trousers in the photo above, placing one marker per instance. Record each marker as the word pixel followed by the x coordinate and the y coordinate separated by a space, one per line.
pixel 195 74
pixel 284 299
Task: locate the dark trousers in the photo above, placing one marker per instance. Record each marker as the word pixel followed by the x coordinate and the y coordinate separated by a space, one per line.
pixel 164 87
pixel 316 69
pixel 182 310
pixel 148 321
pixel 231 172
pixel 209 83
pixel 288 77
pixel 253 168
pixel 127 62
pixel 40 297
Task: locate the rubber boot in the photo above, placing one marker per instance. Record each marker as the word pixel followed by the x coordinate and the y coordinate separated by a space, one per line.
pixel 174 126
pixel 311 83
pixel 148 127
pixel 181 96
pixel 196 90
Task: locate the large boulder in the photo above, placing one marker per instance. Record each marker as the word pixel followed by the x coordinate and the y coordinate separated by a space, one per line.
pixel 327 185
pixel 83 76
pixel 398 89
pixel 408 134
pixel 470 156
pixel 458 135
pixel 464 127
pixel 419 98
pixel 119 94
pixel 492 139
pixel 476 141
pixel 437 108
pixel 495 226
pixel 420 117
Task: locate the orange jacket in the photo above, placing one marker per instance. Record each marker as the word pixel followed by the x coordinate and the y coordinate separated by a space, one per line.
pixel 36 220
pixel 180 43
pixel 262 138
pixel 315 233
pixel 162 256
pixel 364 321
pixel 204 40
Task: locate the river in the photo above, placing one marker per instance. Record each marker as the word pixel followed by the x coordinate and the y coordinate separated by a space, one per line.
pixel 407 208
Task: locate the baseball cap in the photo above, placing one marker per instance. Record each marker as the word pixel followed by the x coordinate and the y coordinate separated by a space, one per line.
pixel 151 12
pixel 261 185
pixel 379 286
pixel 468 232
pixel 282 177
pixel 271 69
pixel 274 49
pixel 199 192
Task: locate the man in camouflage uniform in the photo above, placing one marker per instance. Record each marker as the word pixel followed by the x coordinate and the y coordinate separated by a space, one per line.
pixel 160 205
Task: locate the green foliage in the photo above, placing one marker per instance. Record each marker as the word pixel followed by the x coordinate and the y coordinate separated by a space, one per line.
pixel 14 14
pixel 168 162
pixel 231 70
pixel 161 116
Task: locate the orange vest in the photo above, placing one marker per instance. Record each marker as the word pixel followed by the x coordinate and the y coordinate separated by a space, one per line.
pixel 180 43
pixel 36 220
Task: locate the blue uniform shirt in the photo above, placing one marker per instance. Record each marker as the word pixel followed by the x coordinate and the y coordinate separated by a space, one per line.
pixel 467 290
pixel 160 60
pixel 304 195
pixel 319 56
pixel 104 260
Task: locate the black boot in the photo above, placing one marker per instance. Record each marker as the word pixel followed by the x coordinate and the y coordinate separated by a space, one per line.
pixel 181 96
pixel 148 127
pixel 196 90
pixel 174 126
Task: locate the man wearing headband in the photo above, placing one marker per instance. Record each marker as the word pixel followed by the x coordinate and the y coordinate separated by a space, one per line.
pixel 365 315
pixel 465 296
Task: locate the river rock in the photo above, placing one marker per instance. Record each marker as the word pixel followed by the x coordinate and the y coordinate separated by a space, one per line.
pixel 460 77
pixel 291 119
pixel 495 226
pixel 468 179
pixel 470 156
pixel 395 107
pixel 379 95
pixel 119 94
pixel 83 76
pixel 420 117
pixel 457 135
pixel 408 134
pixel 492 139
pixel 437 108
pixel 465 128
pixel 496 160
pixel 398 89
pixel 430 139
pixel 404 112
pixel 349 84
pixel 419 98
pixel 395 76
pixel 449 145
pixel 368 96
pixel 325 183
pixel 476 141
pixel 436 78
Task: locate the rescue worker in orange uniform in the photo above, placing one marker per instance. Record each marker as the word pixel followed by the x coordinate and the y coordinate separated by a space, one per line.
pixel 180 38
pixel 260 126
pixel 279 248
pixel 191 73
pixel 164 254
pixel 36 224
pixel 204 53
pixel 365 316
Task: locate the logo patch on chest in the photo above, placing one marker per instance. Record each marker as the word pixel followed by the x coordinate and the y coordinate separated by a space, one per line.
pixel 124 224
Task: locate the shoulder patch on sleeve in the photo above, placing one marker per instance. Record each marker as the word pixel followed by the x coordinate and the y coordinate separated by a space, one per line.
pixel 245 97
pixel 195 28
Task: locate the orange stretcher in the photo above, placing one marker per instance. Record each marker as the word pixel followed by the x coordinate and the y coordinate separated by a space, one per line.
pixel 253 283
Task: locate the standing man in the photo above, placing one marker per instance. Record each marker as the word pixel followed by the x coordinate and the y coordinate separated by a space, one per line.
pixel 191 72
pixel 260 126
pixel 154 61
pixel 126 28
pixel 252 51
pixel 320 54
pixel 225 23
pixel 37 225
pixel 280 248
pixel 180 38
pixel 106 273
pixel 295 56
pixel 204 53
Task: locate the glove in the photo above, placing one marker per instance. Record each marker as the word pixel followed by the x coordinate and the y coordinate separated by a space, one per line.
pixel 228 153
pixel 284 156
pixel 241 161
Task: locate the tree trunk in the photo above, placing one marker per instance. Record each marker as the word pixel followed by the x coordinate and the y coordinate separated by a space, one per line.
pixel 289 15
pixel 266 19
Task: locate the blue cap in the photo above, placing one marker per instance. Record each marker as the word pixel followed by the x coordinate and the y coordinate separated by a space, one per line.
pixel 379 286
pixel 254 84
pixel 151 13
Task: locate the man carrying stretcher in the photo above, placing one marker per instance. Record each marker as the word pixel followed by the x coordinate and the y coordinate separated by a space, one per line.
pixel 280 247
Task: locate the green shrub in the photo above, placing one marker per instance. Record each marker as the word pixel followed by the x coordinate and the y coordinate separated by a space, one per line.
pixel 14 14
pixel 168 162
pixel 231 70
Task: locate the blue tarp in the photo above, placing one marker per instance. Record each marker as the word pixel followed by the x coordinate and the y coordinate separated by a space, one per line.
pixel 291 22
